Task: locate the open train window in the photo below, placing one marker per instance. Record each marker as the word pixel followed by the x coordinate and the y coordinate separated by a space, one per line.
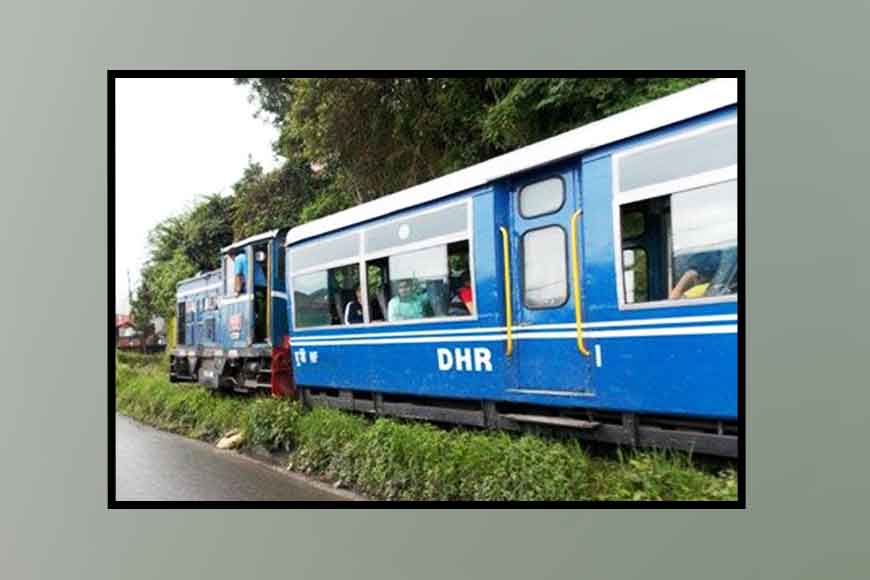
pixel 433 282
pixel 677 213
pixel 688 249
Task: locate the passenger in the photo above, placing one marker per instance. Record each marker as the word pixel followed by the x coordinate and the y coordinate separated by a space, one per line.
pixel 465 294
pixel 692 284
pixel 407 305
pixel 353 312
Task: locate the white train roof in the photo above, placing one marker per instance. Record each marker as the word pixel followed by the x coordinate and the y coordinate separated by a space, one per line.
pixel 246 241
pixel 667 110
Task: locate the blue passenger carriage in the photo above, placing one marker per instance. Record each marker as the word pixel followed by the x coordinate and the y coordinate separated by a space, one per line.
pixel 586 282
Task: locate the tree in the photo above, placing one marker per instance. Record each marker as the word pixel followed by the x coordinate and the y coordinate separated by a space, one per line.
pixel 379 135
pixel 207 228
pixel 263 201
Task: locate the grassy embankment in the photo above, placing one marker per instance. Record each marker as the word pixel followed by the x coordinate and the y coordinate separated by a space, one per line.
pixel 397 460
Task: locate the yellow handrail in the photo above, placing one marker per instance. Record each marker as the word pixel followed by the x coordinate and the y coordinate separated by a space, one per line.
pixel 575 274
pixel 507 290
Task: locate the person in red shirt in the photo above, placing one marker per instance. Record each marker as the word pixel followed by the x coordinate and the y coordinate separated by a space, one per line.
pixel 466 296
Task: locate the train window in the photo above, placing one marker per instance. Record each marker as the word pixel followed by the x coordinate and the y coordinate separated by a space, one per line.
pixel 343 282
pixel 635 275
pixel 322 298
pixel 632 224
pixel 542 198
pixel 229 278
pixel 433 282
pixel 689 248
pixel 442 222
pixel 679 158
pixel 311 299
pixel 323 252
pixel 545 274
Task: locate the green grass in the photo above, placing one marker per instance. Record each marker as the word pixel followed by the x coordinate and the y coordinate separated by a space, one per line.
pixel 397 460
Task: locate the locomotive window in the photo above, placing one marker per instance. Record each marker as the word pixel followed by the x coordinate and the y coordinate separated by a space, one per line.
pixel 433 282
pixel 542 198
pixel 545 274
pixel 680 158
pixel 689 248
pixel 442 222
pixel 229 277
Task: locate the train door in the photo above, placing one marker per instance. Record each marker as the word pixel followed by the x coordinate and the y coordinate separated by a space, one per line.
pixel 262 293
pixel 547 360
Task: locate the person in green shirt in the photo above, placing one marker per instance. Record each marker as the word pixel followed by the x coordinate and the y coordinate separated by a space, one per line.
pixel 407 305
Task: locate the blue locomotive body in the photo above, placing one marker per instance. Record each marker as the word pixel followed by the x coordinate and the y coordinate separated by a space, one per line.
pixel 232 323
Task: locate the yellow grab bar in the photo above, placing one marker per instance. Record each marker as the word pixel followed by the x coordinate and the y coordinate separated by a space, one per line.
pixel 575 274
pixel 507 290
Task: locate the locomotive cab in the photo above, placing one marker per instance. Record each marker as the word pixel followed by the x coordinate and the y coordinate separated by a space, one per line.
pixel 253 317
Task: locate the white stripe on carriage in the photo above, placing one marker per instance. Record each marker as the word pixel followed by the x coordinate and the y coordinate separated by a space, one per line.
pixel 642 332
pixel 478 330
pixel 276 294
pixel 408 340
pixel 519 329
pixel 671 331
pixel 197 291
pixel 553 393
pixel 643 322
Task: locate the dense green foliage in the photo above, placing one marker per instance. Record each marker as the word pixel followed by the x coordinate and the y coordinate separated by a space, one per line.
pixel 349 140
pixel 390 459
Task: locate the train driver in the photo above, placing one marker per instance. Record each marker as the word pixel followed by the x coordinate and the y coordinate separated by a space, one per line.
pixel 407 305
pixel 241 272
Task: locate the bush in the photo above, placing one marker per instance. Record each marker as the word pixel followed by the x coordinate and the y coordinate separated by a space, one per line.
pixel 272 423
pixel 660 475
pixel 324 437
pixel 392 459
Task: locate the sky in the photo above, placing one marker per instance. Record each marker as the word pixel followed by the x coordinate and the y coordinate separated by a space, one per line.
pixel 175 141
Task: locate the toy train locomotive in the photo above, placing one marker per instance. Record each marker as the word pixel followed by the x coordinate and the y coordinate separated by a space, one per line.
pixel 586 282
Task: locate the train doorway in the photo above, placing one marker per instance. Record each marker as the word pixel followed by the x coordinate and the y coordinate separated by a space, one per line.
pixel 546 358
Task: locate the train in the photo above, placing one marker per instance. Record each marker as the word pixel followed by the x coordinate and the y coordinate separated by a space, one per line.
pixel 588 283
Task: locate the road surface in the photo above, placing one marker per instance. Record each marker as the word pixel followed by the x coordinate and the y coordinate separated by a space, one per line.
pixel 154 465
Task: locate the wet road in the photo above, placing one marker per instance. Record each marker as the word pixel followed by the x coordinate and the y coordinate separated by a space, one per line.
pixel 153 465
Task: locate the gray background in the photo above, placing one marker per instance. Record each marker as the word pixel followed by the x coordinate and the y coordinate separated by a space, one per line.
pixel 807 209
